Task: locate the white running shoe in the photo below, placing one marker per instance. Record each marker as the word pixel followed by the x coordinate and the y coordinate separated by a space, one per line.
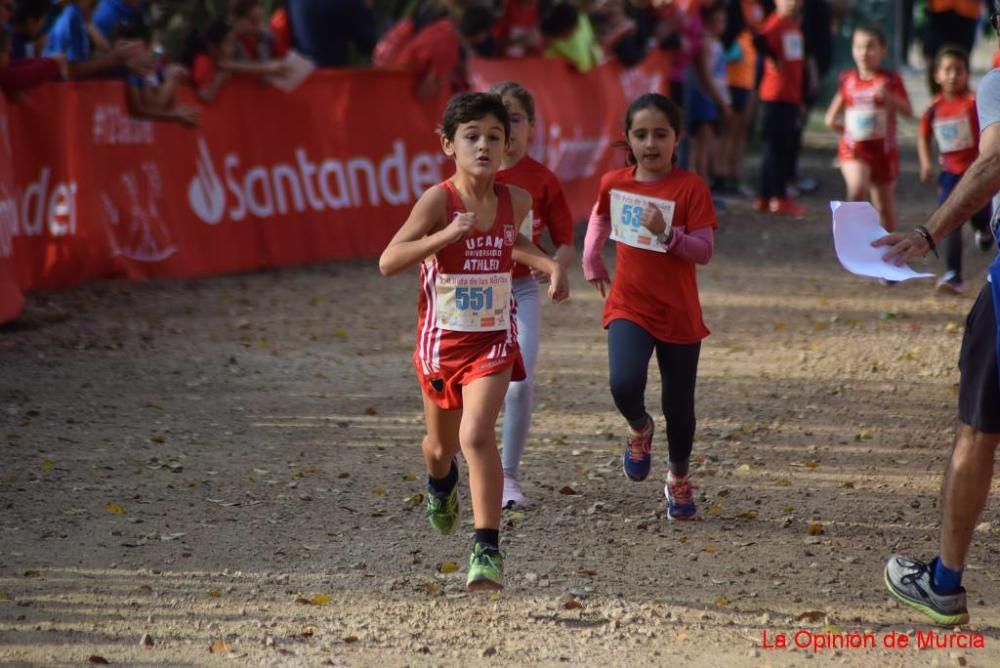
pixel 512 494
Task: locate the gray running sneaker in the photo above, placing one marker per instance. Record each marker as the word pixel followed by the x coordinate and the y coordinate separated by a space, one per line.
pixel 909 580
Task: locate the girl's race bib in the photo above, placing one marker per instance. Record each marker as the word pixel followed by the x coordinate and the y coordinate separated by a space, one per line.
pixel 473 302
pixel 626 217
pixel 953 134
pixel 528 226
pixel 791 45
pixel 865 123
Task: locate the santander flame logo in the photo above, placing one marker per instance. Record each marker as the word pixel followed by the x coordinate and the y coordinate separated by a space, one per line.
pixel 205 192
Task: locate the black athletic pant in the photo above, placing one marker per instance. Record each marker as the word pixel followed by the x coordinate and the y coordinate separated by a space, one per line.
pixel 629 349
pixel 781 127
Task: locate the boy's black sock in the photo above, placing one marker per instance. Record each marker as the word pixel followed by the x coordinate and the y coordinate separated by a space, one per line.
pixel 488 538
pixel 443 486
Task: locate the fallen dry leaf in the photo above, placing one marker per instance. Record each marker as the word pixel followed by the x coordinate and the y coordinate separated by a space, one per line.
pixel 811 616
pixel 447 567
pixel 48 464
pixel 214 593
pixel 567 491
pixel 572 604
pixel 97 658
pixel 815 529
pixel 219 647
pixel 721 601
pixel 378 491
pixel 320 599
pixel 515 518
pixel 114 508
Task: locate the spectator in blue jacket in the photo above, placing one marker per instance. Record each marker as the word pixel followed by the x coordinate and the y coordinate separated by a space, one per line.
pixel 69 38
pixel 323 30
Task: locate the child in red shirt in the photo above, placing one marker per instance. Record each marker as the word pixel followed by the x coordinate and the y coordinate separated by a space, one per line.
pixel 663 221
pixel 869 98
pixel 518 31
pixel 463 234
pixel 780 43
pixel 954 124
pixel 549 211
pixel 211 56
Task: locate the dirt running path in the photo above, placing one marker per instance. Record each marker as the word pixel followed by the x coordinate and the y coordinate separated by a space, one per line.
pixel 235 461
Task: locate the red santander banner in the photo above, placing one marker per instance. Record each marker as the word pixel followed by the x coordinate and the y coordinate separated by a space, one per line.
pixel 328 171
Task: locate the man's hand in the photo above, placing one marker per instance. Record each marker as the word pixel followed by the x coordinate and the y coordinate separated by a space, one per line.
pixel 903 247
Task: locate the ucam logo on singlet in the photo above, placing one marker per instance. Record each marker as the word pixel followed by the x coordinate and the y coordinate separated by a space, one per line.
pixel 296 187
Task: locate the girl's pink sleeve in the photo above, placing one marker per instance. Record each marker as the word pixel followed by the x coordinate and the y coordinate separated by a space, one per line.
pixel 696 246
pixel 598 231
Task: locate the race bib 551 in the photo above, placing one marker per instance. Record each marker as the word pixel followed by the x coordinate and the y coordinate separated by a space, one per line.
pixel 473 302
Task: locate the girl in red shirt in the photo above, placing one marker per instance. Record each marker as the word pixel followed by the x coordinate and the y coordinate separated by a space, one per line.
pixel 869 98
pixel 953 123
pixel 663 221
pixel 463 234
pixel 549 211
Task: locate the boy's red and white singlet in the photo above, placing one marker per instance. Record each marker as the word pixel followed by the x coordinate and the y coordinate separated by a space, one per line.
pixel 869 124
pixel 465 313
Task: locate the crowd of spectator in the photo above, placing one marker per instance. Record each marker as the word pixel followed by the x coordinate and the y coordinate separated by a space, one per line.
pixel 717 52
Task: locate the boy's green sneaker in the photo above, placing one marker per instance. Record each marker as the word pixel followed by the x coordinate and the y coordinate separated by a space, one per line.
pixel 485 569
pixel 442 512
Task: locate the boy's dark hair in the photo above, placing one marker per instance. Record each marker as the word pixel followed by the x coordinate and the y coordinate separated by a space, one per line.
pixel 952 51
pixel 467 107
pixel 874 31
pixel 30 9
pixel 242 8
pixel 651 101
pixel 519 93
pixel 132 30
pixel 560 20
pixel 475 20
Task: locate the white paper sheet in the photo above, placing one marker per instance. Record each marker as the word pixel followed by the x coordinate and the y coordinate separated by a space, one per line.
pixel 297 69
pixel 855 227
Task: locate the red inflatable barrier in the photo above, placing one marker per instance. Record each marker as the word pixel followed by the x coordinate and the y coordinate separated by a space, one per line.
pixel 268 179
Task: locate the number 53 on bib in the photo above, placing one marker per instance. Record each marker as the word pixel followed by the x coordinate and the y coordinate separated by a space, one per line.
pixel 626 220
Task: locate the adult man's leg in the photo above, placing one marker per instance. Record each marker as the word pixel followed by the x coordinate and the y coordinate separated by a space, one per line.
pixel 935 588
pixel 964 492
